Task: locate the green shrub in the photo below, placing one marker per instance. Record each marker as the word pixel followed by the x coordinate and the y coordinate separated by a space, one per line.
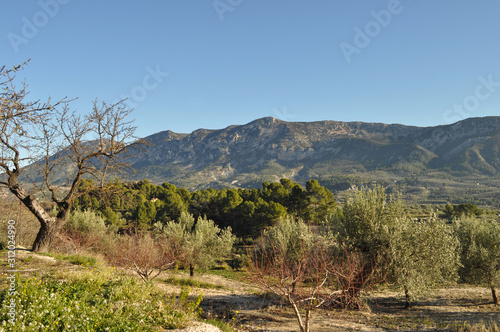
pixel 238 262
pixel 480 249
pixel 86 221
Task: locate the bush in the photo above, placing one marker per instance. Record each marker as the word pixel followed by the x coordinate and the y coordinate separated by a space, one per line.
pixel 238 262
pixel 480 249
pixel 86 221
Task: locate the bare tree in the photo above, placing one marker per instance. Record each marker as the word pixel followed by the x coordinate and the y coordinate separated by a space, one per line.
pixel 61 145
pixel 143 254
pixel 355 273
pixel 299 272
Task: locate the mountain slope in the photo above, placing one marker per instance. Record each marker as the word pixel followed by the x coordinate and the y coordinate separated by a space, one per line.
pixel 268 149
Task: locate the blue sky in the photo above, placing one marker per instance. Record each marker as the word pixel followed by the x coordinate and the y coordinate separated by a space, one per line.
pixel 209 64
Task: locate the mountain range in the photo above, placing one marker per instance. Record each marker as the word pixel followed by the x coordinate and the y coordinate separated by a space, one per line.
pixel 426 164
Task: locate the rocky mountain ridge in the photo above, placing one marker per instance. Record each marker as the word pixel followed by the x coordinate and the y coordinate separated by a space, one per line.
pixel 268 149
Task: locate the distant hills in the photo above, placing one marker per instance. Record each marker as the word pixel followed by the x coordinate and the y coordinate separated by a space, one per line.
pixel 456 162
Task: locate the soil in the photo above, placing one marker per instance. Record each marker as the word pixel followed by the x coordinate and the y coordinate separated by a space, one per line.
pixel 245 306
pixel 248 310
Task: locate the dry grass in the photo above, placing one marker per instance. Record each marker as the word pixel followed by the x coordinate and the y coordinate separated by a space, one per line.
pixel 26 224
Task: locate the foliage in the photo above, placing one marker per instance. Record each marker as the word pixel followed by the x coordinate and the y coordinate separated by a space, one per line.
pixel 413 255
pixel 198 244
pixel 321 202
pixel 113 219
pixel 86 221
pixel 461 210
pixel 145 214
pixel 96 302
pixel 480 254
pixel 246 211
pixel 292 239
pixel 368 220
pixel 366 226
pixel 423 254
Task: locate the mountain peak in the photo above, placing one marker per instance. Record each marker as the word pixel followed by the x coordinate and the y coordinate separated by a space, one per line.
pixel 268 120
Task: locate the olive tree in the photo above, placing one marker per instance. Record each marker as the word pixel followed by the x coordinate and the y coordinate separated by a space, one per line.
pixel 366 226
pixel 423 254
pixel 413 255
pixel 63 148
pixel 198 244
pixel 480 254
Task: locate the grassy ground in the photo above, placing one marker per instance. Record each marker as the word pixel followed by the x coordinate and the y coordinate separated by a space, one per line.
pixel 82 293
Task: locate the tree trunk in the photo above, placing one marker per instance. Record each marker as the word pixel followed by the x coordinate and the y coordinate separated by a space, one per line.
pixel 408 299
pixel 49 226
pixel 494 295
pixel 46 234
pixel 191 270
pixel 297 312
pixel 308 319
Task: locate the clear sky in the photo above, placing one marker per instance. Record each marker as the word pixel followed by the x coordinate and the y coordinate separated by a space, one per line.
pixel 189 64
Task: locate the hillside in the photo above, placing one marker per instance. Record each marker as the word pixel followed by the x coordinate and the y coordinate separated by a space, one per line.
pixel 453 162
